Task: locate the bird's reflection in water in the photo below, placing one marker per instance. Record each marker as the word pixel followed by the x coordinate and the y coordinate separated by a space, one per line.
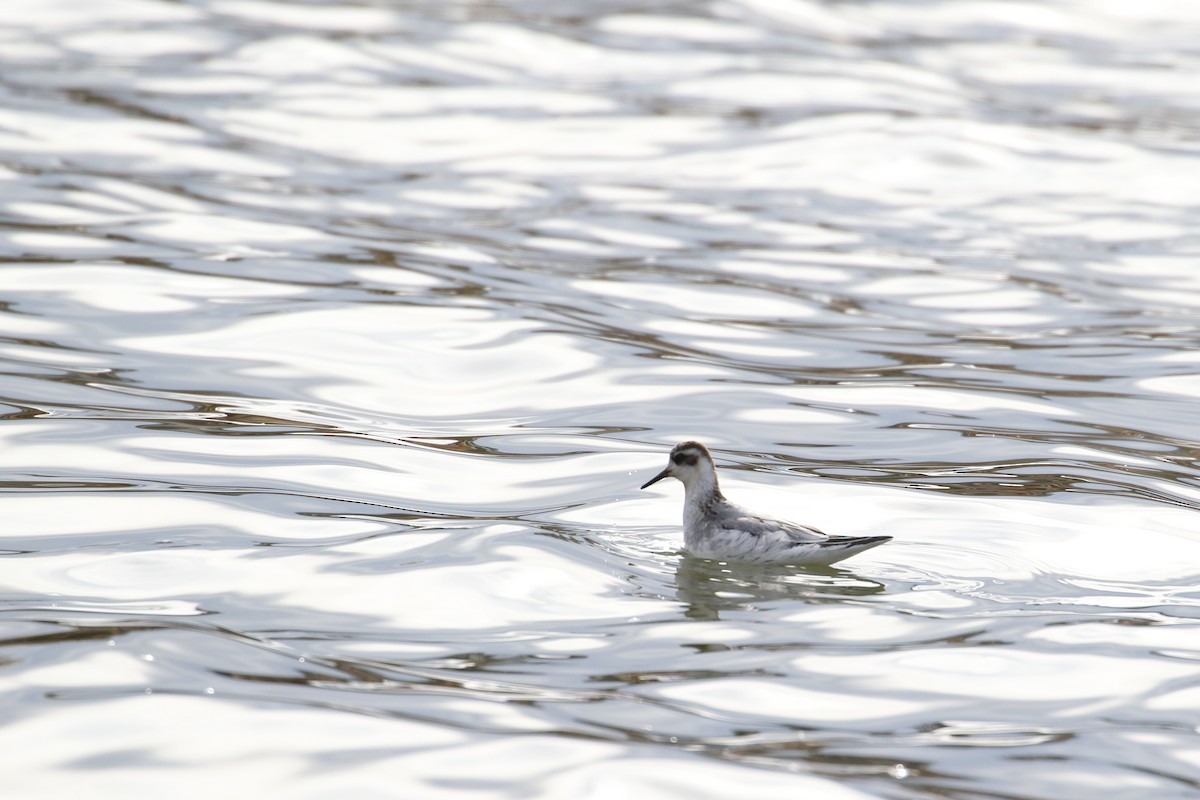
pixel 707 587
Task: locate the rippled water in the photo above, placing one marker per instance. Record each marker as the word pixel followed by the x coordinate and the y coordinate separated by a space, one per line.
pixel 337 339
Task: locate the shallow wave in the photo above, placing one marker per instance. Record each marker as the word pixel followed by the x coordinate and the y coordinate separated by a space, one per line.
pixel 336 340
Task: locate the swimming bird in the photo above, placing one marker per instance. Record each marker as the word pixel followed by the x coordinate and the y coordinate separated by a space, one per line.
pixel 715 528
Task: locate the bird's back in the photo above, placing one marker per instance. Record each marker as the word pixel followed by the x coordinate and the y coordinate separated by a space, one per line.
pixel 724 530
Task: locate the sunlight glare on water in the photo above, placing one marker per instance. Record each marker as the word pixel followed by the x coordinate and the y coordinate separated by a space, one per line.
pixel 337 339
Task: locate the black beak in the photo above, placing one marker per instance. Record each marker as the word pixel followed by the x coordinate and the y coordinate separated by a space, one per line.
pixel 664 474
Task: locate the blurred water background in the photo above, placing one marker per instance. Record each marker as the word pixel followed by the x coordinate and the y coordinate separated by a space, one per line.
pixel 337 338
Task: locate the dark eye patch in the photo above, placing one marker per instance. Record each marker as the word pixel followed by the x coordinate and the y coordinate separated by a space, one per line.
pixel 685 458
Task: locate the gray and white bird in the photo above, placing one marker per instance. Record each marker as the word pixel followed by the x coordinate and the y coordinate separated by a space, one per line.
pixel 715 528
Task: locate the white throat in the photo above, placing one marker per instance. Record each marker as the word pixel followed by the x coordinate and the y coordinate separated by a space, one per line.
pixel 703 485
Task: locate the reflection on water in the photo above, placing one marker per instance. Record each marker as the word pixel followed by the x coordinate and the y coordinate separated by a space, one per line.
pixel 706 587
pixel 334 338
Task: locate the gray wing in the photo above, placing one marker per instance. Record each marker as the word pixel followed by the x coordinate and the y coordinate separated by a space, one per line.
pixel 742 520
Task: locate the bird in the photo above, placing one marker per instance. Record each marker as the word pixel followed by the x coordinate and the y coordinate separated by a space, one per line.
pixel 715 528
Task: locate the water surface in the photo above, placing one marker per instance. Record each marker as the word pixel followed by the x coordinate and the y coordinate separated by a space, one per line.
pixel 337 338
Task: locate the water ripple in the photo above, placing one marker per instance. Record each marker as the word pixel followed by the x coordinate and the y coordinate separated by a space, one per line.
pixel 334 345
